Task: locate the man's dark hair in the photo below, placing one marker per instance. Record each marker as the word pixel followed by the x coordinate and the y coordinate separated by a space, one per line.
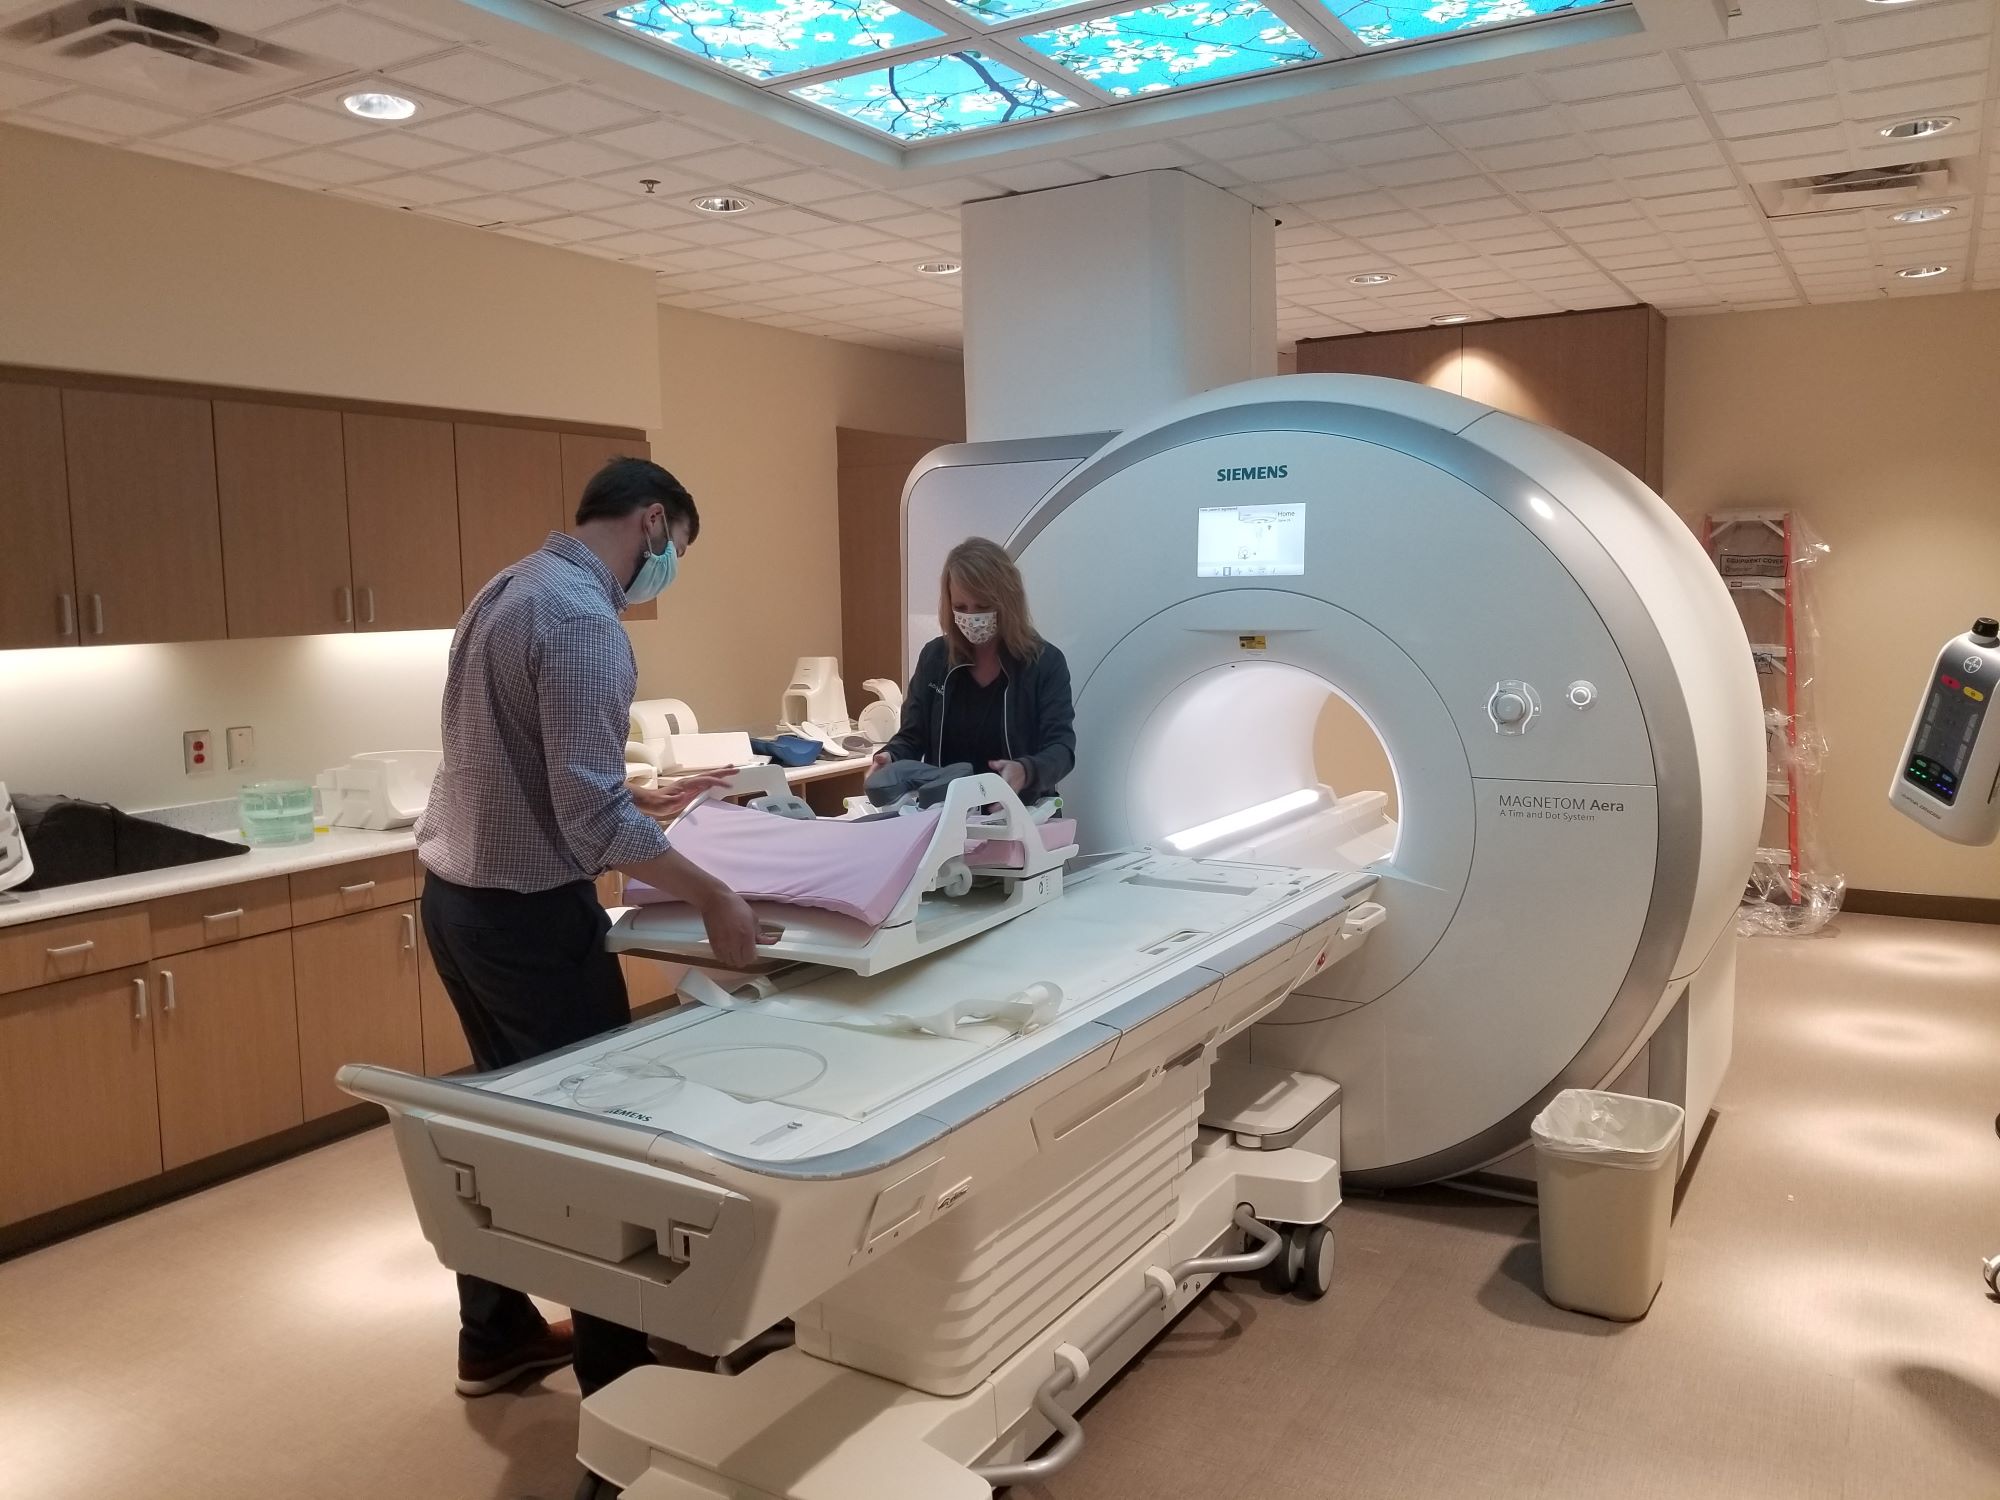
pixel 628 484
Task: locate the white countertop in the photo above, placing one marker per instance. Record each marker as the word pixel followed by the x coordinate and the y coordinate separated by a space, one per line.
pixel 334 848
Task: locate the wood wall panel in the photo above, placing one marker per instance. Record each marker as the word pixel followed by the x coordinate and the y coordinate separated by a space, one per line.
pixel 1429 356
pixel 873 468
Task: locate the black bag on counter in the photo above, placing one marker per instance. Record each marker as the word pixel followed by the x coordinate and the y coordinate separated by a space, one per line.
pixel 70 841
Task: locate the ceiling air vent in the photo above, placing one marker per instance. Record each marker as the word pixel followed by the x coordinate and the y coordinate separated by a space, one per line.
pixel 1860 187
pixel 159 55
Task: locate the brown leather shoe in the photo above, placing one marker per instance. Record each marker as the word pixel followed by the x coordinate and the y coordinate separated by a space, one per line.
pixel 553 1349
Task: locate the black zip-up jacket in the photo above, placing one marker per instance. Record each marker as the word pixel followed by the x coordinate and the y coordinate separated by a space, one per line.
pixel 1040 718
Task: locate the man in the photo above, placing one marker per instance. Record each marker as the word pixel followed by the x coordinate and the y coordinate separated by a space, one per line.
pixel 529 807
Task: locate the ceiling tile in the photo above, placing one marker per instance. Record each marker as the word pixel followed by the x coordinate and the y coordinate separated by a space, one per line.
pixel 860 208
pixel 1607 80
pixel 476 131
pixel 576 227
pixel 661 139
pixel 1771 88
pixel 1156 156
pixel 332 167
pixel 577 158
pixel 497 174
pixel 738 165
pixel 104 114
pixel 1634 109
pixel 1478 100
pixel 571 111
pixel 1036 176
pixel 415 190
pixel 1549 153
pixel 1915 26
pixel 358 40
pixel 227 143
pixel 1241 141
pixel 502 210
pixel 411 153
pixel 796 221
pixel 471 77
pixel 19 89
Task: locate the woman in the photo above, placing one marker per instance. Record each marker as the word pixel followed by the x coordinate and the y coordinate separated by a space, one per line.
pixel 989 692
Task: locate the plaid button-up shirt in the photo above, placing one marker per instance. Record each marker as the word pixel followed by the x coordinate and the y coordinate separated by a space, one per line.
pixel 531 791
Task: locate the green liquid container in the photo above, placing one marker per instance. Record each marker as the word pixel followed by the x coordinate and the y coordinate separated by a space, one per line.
pixel 276 812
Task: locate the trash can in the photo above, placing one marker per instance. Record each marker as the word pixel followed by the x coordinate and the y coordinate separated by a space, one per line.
pixel 1606 1165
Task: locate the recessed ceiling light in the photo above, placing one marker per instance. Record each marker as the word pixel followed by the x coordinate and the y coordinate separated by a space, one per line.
pixel 721 203
pixel 1442 319
pixel 1916 130
pixel 1372 278
pixel 1922 273
pixel 939 267
pixel 374 106
pixel 1929 214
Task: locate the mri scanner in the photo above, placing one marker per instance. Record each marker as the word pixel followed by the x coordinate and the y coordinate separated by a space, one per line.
pixel 1262 982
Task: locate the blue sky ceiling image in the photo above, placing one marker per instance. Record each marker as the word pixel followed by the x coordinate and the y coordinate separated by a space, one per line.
pixel 1007 61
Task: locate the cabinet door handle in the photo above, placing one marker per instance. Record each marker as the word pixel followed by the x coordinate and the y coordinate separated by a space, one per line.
pixel 97 614
pixel 361 889
pixel 68 615
pixel 72 950
pixel 167 990
pixel 409 933
pixel 225 916
pixel 345 596
pixel 139 1004
pixel 368 606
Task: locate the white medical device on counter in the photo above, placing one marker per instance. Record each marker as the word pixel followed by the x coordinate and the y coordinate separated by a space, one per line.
pixel 881 719
pixel 815 704
pixel 972 1232
pixel 1949 776
pixel 378 789
pixel 15 865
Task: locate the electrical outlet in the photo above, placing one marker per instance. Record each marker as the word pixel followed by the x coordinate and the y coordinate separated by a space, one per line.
pixel 242 747
pixel 198 752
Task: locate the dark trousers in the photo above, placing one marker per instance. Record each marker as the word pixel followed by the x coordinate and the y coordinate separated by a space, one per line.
pixel 528 974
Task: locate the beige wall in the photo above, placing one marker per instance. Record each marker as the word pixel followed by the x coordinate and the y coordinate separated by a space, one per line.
pixel 750 414
pixel 127 264
pixel 132 265
pixel 1878 422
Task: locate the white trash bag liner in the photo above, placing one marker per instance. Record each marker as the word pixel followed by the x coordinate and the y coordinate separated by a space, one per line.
pixel 1608 1130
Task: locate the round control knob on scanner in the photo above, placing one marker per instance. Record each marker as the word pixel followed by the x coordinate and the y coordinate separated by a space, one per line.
pixel 1582 694
pixel 1513 707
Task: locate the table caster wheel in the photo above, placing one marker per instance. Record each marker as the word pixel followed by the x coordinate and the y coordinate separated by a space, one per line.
pixel 1315 1274
pixel 1991 1267
pixel 590 1487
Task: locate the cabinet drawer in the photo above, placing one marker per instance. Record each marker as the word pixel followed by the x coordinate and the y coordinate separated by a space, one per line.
pixel 201 919
pixel 71 947
pixel 362 885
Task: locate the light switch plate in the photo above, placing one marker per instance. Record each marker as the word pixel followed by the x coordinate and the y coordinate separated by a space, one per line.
pixel 198 753
pixel 242 747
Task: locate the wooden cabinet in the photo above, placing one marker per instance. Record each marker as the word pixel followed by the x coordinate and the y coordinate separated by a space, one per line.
pixel 281 478
pixel 38 953
pixel 226 1047
pixel 1599 376
pixel 582 456
pixel 445 1047
pixel 226 914
pixel 78 1110
pixel 37 576
pixel 402 522
pixel 358 1000
pixel 357 886
pixel 143 516
pixel 510 496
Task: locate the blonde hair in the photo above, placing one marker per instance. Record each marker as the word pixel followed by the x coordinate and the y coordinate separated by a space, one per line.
pixel 983 568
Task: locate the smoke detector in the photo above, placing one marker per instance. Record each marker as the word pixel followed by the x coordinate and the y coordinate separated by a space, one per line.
pixel 156 54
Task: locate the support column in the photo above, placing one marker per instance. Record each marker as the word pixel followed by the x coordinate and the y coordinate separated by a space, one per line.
pixel 1090 307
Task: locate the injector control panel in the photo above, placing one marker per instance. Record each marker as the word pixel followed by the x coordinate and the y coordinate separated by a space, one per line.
pixel 1949 777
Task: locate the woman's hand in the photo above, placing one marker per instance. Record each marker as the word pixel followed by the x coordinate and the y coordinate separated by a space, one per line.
pixel 881 759
pixel 671 801
pixel 1010 771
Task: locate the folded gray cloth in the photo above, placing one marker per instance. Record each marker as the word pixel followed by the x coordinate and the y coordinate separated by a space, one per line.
pixel 897 780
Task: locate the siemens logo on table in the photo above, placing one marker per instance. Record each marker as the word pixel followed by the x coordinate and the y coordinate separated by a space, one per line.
pixel 1236 476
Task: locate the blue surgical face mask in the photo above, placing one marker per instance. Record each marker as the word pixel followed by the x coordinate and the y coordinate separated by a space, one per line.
pixel 656 571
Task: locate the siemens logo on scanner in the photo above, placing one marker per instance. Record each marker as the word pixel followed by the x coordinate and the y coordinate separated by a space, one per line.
pixel 1235 476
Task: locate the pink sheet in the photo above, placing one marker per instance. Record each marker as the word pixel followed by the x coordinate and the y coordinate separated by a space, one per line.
pixel 856 869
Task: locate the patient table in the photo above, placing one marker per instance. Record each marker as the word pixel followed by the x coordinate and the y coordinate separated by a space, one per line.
pixel 971 1226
